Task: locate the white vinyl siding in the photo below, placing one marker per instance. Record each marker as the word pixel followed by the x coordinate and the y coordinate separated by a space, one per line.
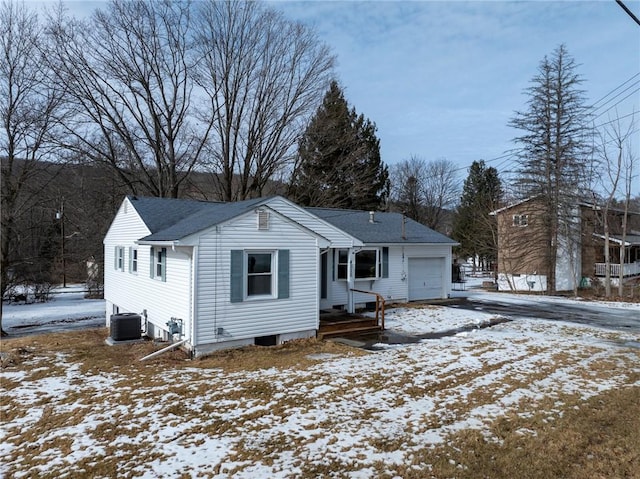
pixel 393 282
pixel 136 293
pixel 294 303
pixel 338 238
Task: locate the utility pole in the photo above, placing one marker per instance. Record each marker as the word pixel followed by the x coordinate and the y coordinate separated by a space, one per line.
pixel 60 216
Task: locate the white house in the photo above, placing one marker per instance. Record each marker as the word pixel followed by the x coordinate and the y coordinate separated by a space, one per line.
pixel 259 271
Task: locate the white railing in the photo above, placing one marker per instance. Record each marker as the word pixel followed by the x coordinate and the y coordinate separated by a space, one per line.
pixel 630 269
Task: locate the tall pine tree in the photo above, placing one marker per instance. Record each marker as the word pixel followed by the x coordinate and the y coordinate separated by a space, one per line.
pixel 473 227
pixel 339 162
pixel 555 152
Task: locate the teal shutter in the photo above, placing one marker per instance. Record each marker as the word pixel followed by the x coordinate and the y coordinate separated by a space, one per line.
pixel 283 274
pixel 152 261
pixel 130 258
pixel 385 262
pixel 164 264
pixel 115 258
pixel 237 276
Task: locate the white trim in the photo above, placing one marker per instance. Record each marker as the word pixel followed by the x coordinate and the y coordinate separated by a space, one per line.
pixel 272 272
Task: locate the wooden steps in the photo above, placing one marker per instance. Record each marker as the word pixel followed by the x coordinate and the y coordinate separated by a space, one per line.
pixel 347 326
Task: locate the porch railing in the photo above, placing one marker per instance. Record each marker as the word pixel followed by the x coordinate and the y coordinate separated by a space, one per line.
pixel 379 305
pixel 629 269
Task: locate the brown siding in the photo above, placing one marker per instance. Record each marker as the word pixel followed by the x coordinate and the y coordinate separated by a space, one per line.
pixel 521 249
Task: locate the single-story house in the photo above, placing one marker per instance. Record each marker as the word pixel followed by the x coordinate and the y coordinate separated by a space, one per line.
pixel 524 252
pixel 231 274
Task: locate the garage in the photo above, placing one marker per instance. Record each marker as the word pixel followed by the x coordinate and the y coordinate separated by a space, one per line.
pixel 426 278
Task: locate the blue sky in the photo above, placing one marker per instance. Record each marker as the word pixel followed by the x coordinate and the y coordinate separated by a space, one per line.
pixel 441 79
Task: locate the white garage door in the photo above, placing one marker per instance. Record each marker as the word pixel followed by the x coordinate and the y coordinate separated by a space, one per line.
pixel 426 276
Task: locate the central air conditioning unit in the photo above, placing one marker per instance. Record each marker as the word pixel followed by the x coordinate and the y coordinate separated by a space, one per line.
pixel 125 327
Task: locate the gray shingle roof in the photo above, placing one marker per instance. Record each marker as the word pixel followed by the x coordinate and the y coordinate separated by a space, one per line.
pixel 171 219
pixel 386 228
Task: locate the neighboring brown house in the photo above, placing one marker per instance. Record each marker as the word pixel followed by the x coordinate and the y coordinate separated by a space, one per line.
pixel 524 254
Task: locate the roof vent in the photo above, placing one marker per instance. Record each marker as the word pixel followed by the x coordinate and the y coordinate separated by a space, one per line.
pixel 372 216
pixel 263 220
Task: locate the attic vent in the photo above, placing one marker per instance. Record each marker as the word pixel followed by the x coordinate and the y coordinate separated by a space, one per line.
pixel 263 220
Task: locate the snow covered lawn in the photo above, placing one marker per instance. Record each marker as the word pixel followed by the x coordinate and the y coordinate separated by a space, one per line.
pixel 67 307
pixel 402 412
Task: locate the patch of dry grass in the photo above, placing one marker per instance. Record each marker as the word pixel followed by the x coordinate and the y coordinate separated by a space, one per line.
pixel 552 435
pixel 596 438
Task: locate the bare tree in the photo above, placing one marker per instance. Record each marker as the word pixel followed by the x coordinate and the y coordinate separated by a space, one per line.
pixel 264 76
pixel 129 73
pixel 407 185
pixel 426 191
pixel 618 164
pixel 28 107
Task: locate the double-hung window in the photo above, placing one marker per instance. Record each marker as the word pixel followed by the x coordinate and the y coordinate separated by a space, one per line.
pixel 119 258
pixel 259 274
pixel 158 263
pixel 133 260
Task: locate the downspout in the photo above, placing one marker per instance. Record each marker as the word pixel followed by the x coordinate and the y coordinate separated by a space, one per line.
pixel 194 303
pixel 164 350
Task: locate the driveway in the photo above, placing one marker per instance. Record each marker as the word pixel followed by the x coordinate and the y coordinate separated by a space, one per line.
pixel 616 316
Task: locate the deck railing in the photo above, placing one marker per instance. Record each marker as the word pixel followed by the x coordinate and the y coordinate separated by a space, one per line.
pixel 379 306
pixel 629 269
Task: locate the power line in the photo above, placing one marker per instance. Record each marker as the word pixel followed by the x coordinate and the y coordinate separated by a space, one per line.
pixel 616 96
pixel 616 104
pixel 629 12
pixel 616 88
pixel 616 119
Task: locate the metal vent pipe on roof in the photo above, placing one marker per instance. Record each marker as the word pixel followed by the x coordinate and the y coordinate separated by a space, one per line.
pixel 372 216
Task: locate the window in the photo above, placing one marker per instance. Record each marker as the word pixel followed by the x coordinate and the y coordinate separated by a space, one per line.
pixel 159 263
pixel 259 274
pixel 367 263
pixel 133 260
pixel 520 220
pixel 119 258
pixel 342 262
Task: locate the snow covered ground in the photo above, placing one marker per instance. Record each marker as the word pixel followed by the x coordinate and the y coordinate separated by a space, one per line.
pixel 68 308
pixel 363 415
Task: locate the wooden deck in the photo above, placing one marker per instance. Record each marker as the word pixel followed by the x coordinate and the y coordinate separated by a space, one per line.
pixel 340 323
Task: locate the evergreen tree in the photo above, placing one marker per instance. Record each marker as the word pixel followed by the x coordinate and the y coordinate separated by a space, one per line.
pixel 473 228
pixel 554 151
pixel 339 162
